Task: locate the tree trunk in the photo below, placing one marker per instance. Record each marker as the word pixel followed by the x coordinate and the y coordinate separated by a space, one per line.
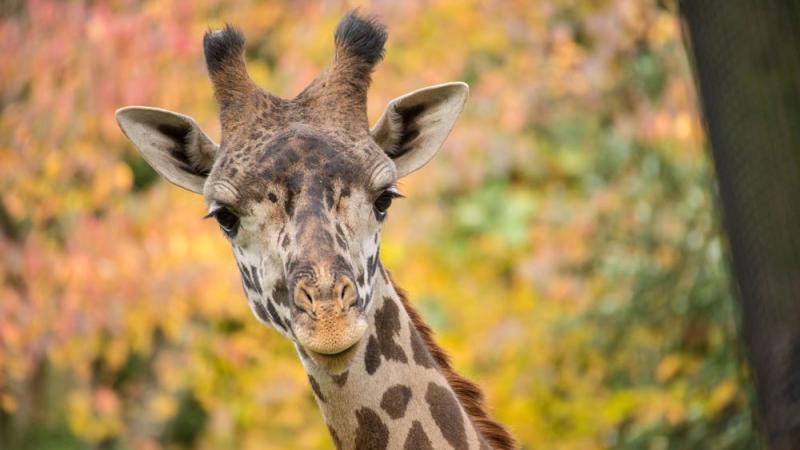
pixel 746 56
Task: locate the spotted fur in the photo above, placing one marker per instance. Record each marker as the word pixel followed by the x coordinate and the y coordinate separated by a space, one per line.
pixel 417 439
pixel 395 400
pixel 372 433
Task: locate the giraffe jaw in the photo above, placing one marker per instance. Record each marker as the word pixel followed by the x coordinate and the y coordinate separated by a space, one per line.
pixel 335 363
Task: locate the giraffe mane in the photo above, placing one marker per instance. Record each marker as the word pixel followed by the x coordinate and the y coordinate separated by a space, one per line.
pixel 469 394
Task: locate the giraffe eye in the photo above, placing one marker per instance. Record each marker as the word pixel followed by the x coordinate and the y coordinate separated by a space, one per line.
pixel 383 202
pixel 228 221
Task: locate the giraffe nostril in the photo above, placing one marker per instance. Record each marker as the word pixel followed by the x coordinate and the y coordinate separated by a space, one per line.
pixel 315 298
pixel 347 294
pixel 305 300
pixel 308 296
pixel 342 296
pixel 311 301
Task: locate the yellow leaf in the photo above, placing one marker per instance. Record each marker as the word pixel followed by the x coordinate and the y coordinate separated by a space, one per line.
pixel 722 396
pixel 8 403
pixel 163 406
pixel 668 367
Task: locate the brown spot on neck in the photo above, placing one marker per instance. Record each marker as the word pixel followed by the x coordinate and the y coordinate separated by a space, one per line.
pixel 395 400
pixel 340 379
pixel 335 437
pixel 372 433
pixel 447 415
pixel 372 356
pixel 387 327
pixel 417 439
pixel 315 387
pixel 421 354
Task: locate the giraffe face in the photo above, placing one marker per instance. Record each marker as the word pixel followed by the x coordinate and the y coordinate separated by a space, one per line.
pixel 303 211
pixel 300 187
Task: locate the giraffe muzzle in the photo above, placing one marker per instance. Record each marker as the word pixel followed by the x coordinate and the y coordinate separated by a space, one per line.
pixel 327 319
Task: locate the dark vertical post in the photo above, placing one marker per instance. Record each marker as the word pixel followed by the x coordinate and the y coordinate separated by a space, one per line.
pixel 746 56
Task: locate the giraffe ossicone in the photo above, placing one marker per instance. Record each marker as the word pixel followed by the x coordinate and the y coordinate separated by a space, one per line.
pixel 301 187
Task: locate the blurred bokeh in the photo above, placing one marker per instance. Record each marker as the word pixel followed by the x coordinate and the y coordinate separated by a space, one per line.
pixel 564 244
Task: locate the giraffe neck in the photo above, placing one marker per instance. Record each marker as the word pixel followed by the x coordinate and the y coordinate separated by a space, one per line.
pixel 394 395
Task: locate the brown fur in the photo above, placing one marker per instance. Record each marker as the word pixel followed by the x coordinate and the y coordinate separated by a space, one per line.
pixel 224 52
pixel 469 394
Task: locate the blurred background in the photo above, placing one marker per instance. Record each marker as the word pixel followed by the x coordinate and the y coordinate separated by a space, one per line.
pixel 564 244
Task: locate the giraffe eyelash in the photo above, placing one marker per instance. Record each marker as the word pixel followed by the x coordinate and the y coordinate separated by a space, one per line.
pixel 395 193
pixel 391 190
pixel 227 219
pixel 216 207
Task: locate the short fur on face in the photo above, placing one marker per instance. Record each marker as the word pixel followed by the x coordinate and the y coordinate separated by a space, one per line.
pixel 303 178
pixel 306 172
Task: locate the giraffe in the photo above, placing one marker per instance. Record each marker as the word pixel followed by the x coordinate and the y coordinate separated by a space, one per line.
pixel 301 188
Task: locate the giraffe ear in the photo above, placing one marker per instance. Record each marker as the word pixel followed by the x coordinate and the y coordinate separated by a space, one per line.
pixel 172 143
pixel 413 127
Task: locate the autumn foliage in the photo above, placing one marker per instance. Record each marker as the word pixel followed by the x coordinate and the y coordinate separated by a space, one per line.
pixel 563 244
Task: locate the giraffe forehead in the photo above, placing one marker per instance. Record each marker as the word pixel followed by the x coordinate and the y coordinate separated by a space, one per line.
pixel 301 161
pixel 320 159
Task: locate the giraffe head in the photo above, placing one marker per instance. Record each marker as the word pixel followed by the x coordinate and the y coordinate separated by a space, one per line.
pixel 301 187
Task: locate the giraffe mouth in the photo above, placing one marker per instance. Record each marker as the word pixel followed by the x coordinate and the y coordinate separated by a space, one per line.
pixel 331 337
pixel 339 354
pixel 334 362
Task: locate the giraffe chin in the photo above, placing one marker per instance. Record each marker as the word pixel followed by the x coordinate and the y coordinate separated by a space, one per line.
pixel 335 363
